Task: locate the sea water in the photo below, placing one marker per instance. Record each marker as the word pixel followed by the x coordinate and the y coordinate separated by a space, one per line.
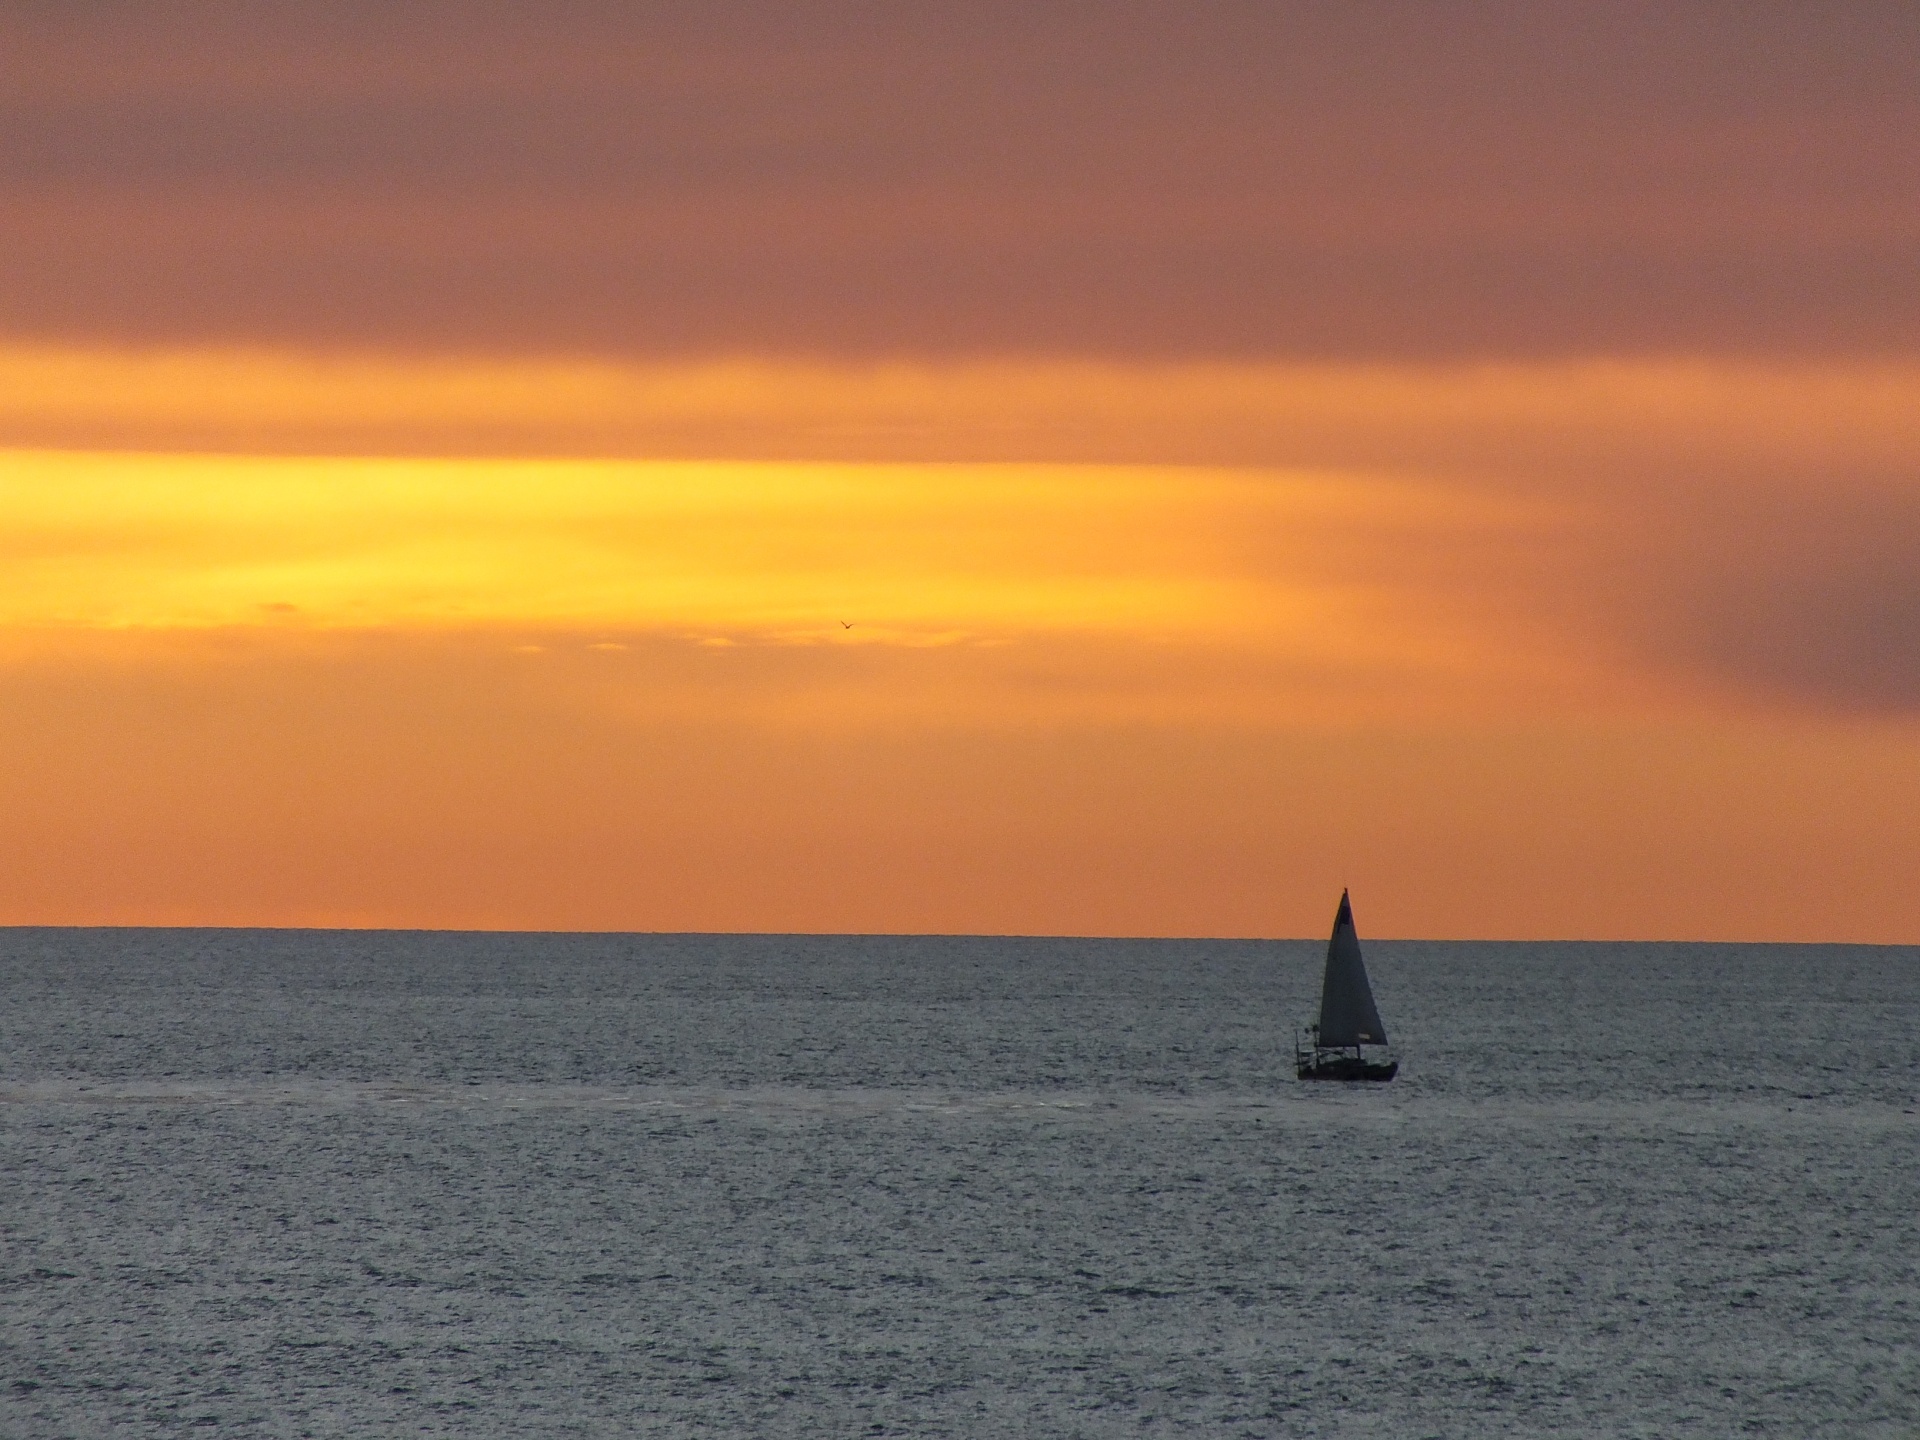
pixel 302 1183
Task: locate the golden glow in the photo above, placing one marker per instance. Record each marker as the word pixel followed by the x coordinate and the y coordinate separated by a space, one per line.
pixel 1424 631
pixel 795 552
pixel 1427 416
pixel 448 779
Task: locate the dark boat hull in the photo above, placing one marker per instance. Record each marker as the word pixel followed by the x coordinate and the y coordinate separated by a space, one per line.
pixel 1346 1067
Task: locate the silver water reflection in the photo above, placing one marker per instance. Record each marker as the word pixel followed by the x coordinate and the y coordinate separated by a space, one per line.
pixel 332 1184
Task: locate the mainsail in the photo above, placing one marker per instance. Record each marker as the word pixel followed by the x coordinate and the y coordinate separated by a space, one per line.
pixel 1347 1013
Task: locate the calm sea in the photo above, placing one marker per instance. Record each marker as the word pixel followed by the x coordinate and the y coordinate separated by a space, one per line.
pixel 305 1183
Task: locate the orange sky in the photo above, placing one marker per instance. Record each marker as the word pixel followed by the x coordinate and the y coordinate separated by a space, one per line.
pixel 692 476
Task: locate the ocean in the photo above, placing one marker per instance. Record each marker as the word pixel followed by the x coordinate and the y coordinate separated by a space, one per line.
pixel 296 1183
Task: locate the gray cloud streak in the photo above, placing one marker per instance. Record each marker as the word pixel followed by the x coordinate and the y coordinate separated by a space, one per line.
pixel 1135 180
pixel 1810 593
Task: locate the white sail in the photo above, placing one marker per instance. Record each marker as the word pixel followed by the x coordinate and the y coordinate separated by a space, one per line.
pixel 1347 1013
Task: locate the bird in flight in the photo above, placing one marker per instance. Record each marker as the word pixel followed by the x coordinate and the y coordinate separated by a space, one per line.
pixel 846 624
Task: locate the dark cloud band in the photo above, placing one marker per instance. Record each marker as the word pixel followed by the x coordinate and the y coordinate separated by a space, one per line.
pixel 1270 180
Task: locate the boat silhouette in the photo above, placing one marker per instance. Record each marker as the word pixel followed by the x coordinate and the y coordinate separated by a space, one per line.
pixel 1349 1020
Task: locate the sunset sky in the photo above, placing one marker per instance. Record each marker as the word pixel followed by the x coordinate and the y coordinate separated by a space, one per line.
pixel 1046 469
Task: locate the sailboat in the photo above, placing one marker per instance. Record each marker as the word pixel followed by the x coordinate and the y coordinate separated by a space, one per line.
pixel 1349 1020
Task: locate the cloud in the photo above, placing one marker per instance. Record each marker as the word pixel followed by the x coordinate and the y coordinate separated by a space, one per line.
pixel 1801 593
pixel 1727 533
pixel 1536 424
pixel 1251 180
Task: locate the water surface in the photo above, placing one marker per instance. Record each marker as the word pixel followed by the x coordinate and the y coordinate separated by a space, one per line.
pixel 302 1183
